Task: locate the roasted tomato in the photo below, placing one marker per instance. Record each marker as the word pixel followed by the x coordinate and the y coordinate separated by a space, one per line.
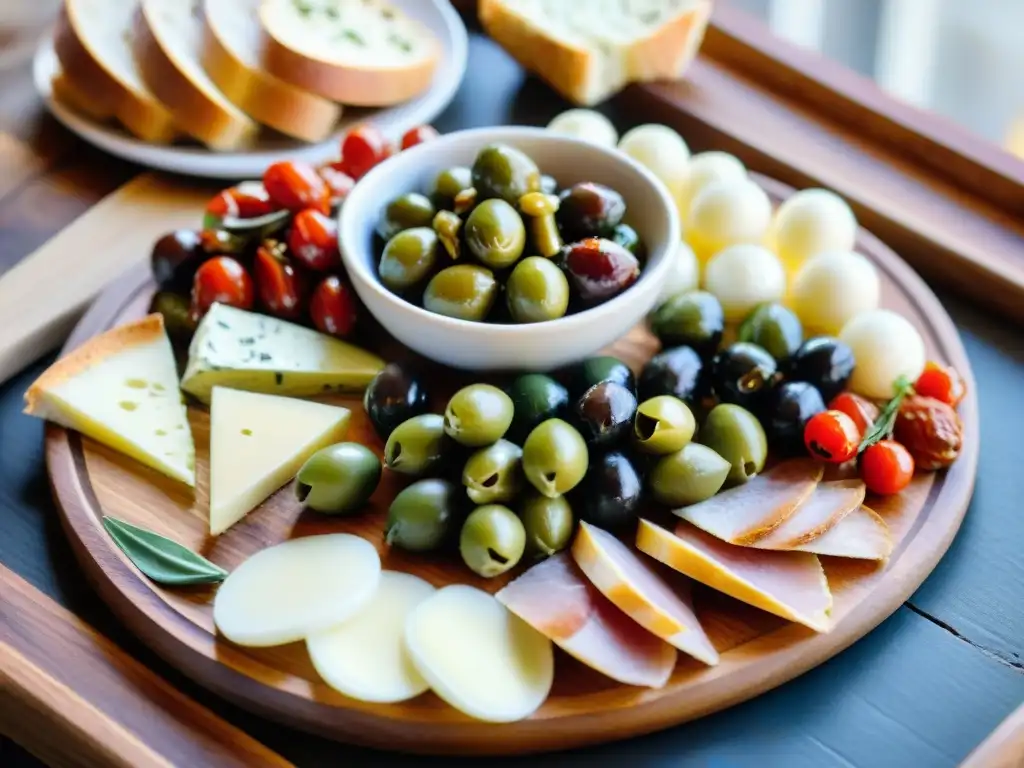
pixel 362 148
pixel 281 286
pixel 832 436
pixel 931 430
pixel 220 280
pixel 886 467
pixel 249 200
pixel 419 135
pixel 941 382
pixel 338 182
pixel 295 186
pixel 313 241
pixel 333 307
pixel 861 410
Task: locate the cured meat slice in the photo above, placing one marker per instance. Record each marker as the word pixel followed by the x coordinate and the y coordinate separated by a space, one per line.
pixel 555 598
pixel 751 511
pixel 862 534
pixel 638 590
pixel 789 584
pixel 825 508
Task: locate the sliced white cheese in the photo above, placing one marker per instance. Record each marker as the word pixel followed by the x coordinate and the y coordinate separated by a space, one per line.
pixel 364 657
pixel 286 592
pixel 478 656
pixel 244 350
pixel 121 389
pixel 258 443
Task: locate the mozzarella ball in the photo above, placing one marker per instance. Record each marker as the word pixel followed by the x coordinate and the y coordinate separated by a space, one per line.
pixel 704 169
pixel 743 276
pixel 811 222
pixel 661 150
pixel 684 274
pixel 832 288
pixel 725 213
pixel 885 346
pixel 586 125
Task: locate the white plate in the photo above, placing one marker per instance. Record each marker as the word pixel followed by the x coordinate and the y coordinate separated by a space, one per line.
pixel 196 160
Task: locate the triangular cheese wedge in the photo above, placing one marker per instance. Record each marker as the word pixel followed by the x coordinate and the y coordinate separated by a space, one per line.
pixel 789 584
pixel 748 512
pixel 556 599
pixel 862 534
pixel 827 506
pixel 258 443
pixel 121 389
pixel 640 592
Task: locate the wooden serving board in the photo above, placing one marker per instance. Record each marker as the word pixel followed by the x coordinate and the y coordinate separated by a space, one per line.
pixel 759 651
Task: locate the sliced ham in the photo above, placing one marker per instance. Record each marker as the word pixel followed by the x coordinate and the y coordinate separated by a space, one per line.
pixel 621 575
pixel 751 511
pixel 826 507
pixel 862 534
pixel 556 599
pixel 789 584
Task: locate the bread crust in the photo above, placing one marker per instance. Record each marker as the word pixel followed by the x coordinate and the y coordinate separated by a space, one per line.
pixel 668 52
pixel 76 97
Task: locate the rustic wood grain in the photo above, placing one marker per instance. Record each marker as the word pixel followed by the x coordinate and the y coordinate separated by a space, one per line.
pixel 1004 748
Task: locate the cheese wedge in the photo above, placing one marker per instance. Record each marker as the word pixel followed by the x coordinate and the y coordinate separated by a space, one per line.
pixel 827 506
pixel 556 599
pixel 478 656
pixel 243 350
pixel 789 584
pixel 121 389
pixel 751 511
pixel 862 535
pixel 640 592
pixel 258 443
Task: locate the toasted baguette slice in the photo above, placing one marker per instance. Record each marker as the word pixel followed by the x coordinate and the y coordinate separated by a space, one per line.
pixel 589 51
pixel 93 44
pixel 168 47
pixel 76 97
pixel 360 52
pixel 232 43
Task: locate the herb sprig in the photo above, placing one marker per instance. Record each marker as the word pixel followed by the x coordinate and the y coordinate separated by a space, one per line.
pixel 883 426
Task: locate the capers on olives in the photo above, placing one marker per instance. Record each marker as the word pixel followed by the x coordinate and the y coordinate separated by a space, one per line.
pixel 478 415
pixel 492 540
pixel 338 479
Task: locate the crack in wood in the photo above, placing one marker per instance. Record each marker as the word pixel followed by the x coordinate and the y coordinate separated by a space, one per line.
pixel 1002 658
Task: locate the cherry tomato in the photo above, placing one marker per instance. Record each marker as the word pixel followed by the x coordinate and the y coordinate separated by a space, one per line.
pixel 313 241
pixel 333 307
pixel 832 436
pixel 941 382
pixel 419 135
pixel 249 200
pixel 280 285
pixel 861 410
pixel 338 182
pixel 221 280
pixel 361 149
pixel 886 467
pixel 295 186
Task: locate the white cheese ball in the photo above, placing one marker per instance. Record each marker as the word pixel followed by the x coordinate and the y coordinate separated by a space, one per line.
pixel 811 222
pixel 832 288
pixel 704 169
pixel 661 150
pixel 726 213
pixel 586 125
pixel 685 272
pixel 885 346
pixel 743 276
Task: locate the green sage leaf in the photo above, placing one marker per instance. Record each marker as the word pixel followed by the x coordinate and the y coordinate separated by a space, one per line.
pixel 161 559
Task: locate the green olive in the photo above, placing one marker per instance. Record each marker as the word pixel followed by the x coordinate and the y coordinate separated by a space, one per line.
pixel 408 258
pixel 663 424
pixel 478 415
pixel 416 446
pixel 495 234
pixel 689 475
pixel 421 517
pixel 536 398
pixel 555 458
pixel 537 291
pixel 338 479
pixel 693 318
pixel 448 184
pixel 735 434
pixel 494 474
pixel 405 212
pixel 549 524
pixel 775 328
pixel 505 172
pixel 492 540
pixel 465 291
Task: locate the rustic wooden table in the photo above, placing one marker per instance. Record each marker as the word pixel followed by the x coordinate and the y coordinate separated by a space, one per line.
pixel 922 690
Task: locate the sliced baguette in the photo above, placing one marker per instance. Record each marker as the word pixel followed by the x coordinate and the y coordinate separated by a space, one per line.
pixel 168 43
pixel 93 44
pixel 589 51
pixel 76 97
pixel 360 52
pixel 232 45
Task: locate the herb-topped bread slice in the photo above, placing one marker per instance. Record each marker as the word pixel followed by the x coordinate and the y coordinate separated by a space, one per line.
pixel 232 46
pixel 360 52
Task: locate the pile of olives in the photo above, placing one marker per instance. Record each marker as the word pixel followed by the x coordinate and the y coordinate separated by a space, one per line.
pixel 499 242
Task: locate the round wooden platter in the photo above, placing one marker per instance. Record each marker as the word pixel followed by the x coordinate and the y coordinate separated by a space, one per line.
pixel 758 650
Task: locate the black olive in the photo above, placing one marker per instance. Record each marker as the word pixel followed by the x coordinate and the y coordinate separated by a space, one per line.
pixel 679 372
pixel 589 210
pixel 610 494
pixel 392 397
pixel 825 362
pixel 793 403
pixel 744 374
pixel 175 258
pixel 604 414
pixel 594 370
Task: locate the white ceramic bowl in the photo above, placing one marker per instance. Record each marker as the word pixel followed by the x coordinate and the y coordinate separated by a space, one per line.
pixel 486 346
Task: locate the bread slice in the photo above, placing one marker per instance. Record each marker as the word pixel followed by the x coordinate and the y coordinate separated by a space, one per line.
pixel 76 97
pixel 168 48
pixel 232 44
pixel 589 51
pixel 360 52
pixel 93 43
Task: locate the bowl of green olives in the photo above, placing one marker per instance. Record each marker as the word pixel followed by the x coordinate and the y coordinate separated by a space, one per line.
pixel 508 248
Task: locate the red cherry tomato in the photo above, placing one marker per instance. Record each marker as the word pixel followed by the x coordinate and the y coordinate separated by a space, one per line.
pixel 941 382
pixel 280 285
pixel 419 135
pixel 361 149
pixel 249 200
pixel 333 307
pixel 313 241
pixel 886 467
pixel 832 436
pixel 862 411
pixel 220 280
pixel 338 182
pixel 295 186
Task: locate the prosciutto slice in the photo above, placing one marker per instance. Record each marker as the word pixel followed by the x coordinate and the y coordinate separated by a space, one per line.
pixel 827 506
pixel 862 534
